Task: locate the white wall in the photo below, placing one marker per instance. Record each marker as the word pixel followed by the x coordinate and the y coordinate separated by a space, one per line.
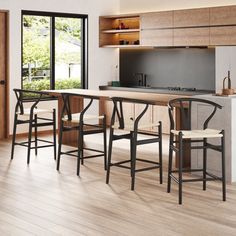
pixel 225 60
pixel 132 6
pixel 101 61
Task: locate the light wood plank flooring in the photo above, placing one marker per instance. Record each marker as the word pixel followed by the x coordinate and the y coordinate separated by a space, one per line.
pixel 38 200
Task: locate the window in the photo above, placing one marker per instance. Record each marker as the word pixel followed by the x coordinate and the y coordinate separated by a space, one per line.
pixel 54 50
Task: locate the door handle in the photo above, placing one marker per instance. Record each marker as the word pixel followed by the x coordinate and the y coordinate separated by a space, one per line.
pixel 2 82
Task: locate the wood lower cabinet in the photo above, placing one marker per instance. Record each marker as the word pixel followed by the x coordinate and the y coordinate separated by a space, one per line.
pixel 160 113
pixel 146 119
pixel 154 114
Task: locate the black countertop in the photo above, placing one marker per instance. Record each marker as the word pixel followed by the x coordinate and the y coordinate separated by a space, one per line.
pixel 157 90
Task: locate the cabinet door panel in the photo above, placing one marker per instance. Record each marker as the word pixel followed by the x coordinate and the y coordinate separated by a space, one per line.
pixel 223 35
pixel 157 20
pixel 157 37
pixel 223 15
pixel 191 37
pixel 147 117
pixel 160 113
pixel 191 17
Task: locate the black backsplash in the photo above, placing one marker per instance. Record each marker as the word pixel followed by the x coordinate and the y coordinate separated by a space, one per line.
pixel 172 67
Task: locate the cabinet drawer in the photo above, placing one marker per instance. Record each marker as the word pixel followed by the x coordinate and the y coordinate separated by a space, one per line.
pixel 191 37
pixel 191 17
pixel 157 37
pixel 223 15
pixel 225 35
pixel 157 20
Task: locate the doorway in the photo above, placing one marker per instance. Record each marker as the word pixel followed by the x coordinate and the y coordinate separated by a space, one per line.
pixel 4 99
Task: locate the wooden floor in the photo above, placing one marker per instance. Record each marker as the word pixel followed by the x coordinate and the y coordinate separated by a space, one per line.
pixel 38 200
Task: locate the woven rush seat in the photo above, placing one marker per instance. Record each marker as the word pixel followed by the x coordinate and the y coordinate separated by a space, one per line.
pixel 36 111
pixel 75 118
pixel 206 133
pixel 83 124
pixel 133 132
pixel 184 138
pixel 28 113
pixel 129 125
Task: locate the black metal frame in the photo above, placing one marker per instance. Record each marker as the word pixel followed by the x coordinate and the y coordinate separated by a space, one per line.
pixel 81 127
pixel 84 39
pixel 133 137
pixel 185 106
pixel 32 121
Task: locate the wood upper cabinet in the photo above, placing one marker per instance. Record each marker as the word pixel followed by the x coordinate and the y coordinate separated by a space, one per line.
pixel 118 30
pixel 156 29
pixel 224 35
pixel 161 37
pixel 190 27
pixel 156 20
pixel 191 17
pixel 191 37
pixel 223 15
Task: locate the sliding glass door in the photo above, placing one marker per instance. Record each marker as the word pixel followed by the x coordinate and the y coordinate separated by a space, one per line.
pixel 54 50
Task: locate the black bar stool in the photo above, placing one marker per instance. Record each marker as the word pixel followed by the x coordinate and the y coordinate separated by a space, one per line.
pixel 35 117
pixel 186 135
pixel 132 128
pixel 82 122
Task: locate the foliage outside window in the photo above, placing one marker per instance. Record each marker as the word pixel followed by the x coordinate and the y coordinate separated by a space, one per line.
pixel 53 51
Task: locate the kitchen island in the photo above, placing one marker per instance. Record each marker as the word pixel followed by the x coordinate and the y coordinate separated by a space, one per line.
pixel 223 119
pixel 105 107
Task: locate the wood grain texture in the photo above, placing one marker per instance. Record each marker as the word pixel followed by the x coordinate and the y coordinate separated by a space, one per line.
pixel 156 20
pixel 191 17
pixel 152 98
pixel 191 37
pixel 112 23
pixel 160 113
pixel 223 15
pixel 225 35
pixel 70 137
pixel 163 37
pixel 38 200
pixel 3 76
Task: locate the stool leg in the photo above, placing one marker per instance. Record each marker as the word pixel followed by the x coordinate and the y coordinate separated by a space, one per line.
pixel 54 135
pixel 59 145
pixel 81 144
pixel 223 166
pixel 170 162
pixel 180 166
pixel 160 152
pixel 109 155
pixel 80 148
pixel 29 138
pixel 36 135
pixel 14 137
pixel 105 142
pixel 133 158
pixel 204 163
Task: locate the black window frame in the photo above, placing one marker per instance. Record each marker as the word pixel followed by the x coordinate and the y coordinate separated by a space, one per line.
pixel 84 48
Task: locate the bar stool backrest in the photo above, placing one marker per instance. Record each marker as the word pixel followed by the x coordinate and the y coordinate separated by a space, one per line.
pixel 28 96
pixel 67 111
pixel 118 111
pixel 184 106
